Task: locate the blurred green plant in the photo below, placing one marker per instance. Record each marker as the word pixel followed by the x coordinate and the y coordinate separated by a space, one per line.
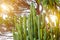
pixel 35 27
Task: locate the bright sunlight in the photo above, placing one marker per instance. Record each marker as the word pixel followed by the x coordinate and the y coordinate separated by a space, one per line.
pixel 53 19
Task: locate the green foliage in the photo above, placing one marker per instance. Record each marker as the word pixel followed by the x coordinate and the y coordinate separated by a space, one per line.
pixel 34 27
pixel 1 20
pixel 50 3
pixel 38 1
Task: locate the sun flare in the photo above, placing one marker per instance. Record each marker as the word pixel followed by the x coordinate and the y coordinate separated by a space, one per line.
pixel 53 19
pixel 4 16
pixel 4 7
